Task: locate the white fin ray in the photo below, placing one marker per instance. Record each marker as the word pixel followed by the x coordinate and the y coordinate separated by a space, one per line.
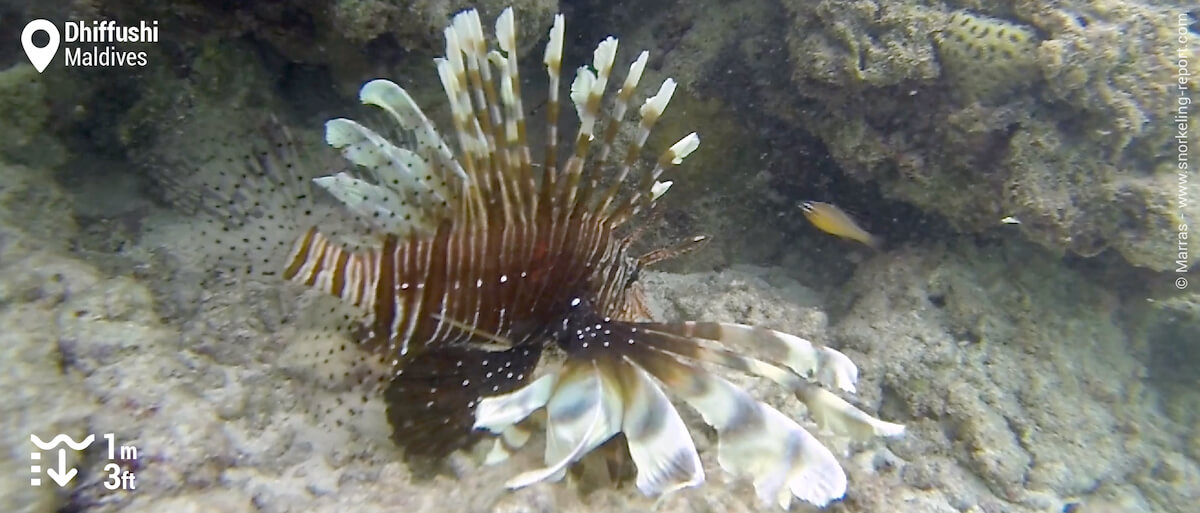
pixel 465 123
pixel 632 78
pixel 581 88
pixel 391 166
pixel 592 90
pixel 487 113
pixel 636 68
pixel 508 97
pixel 506 31
pixel 660 188
pixel 702 341
pixel 377 206
pixel 510 441
pixel 827 366
pixel 650 111
pixel 499 412
pixel 657 104
pixel 659 441
pixel 838 416
pixel 754 439
pixel 588 88
pixel 392 98
pixel 583 412
pixel 552 58
pixel 554 48
pixel 680 150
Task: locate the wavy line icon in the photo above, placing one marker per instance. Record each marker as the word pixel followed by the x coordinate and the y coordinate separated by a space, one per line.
pixel 60 474
pixel 62 438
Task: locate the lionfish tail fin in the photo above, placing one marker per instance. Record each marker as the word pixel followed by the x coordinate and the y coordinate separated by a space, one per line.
pixel 262 220
pixel 240 196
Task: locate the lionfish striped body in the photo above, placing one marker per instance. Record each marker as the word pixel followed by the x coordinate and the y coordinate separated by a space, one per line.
pixel 465 266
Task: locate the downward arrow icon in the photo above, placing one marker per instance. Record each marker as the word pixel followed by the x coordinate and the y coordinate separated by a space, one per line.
pixel 62 475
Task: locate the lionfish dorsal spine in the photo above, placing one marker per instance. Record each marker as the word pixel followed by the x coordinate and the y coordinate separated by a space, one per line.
pixel 553 61
pixel 644 195
pixel 510 94
pixel 485 192
pixel 587 90
pixel 624 95
pixel 496 175
pixel 610 134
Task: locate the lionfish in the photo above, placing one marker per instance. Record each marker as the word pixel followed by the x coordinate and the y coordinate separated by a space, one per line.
pixel 465 266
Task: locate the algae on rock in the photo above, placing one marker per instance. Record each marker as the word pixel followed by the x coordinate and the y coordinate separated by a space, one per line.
pixel 1070 135
pixel 1023 367
pixel 23 133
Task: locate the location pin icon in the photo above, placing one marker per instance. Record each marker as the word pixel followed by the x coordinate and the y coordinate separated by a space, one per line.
pixel 40 57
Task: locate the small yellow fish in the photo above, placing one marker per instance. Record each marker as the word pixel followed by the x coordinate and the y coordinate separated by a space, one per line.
pixel 832 220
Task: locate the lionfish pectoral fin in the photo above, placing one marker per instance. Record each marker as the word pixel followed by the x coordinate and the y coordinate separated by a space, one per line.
pixel 498 413
pixel 754 439
pixel 825 366
pixel 659 442
pixel 510 441
pixel 838 416
pixel 433 398
pixel 632 403
pixel 808 360
pixel 583 411
pixel 503 414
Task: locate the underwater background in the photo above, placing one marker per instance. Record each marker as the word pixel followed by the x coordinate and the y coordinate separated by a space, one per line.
pixel 1024 316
